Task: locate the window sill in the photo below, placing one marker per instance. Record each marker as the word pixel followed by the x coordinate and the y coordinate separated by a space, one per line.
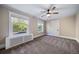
pixel 18 35
pixel 39 32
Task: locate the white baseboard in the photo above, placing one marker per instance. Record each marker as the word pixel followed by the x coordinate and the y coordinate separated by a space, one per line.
pixel 50 34
pixel 38 35
pixel 68 37
pixel 77 40
pixel 73 38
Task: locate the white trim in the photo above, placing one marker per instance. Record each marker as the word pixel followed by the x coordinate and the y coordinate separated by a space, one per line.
pixel 77 40
pixel 10 23
pixel 73 38
pixel 18 15
pixel 23 40
pixel 50 34
pixel 38 35
pixel 18 35
pixel 68 37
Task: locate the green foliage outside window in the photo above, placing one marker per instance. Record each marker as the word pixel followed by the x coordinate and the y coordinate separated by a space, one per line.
pixel 40 28
pixel 19 26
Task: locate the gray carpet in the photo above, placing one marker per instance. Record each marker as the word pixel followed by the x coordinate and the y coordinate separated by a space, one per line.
pixel 46 45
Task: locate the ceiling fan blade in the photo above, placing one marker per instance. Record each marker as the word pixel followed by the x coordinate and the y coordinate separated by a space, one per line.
pixel 54 8
pixel 43 15
pixel 55 13
pixel 43 11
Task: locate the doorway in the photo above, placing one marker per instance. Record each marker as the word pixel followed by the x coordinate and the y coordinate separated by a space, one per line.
pixel 53 28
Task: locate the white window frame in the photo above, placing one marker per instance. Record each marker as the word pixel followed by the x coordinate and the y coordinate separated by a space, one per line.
pixel 11 25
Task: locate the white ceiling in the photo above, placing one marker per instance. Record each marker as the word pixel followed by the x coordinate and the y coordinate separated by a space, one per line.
pixel 34 9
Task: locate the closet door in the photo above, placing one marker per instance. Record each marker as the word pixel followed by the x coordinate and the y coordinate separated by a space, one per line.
pixel 53 28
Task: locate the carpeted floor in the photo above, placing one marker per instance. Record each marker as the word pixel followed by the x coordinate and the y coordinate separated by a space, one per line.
pixel 46 45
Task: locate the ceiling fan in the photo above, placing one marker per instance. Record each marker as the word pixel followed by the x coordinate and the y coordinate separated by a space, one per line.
pixel 51 10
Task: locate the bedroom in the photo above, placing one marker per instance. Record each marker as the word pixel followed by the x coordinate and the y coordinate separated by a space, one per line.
pixel 50 29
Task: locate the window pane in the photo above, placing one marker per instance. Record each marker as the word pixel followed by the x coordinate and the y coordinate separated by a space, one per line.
pixel 19 25
pixel 40 27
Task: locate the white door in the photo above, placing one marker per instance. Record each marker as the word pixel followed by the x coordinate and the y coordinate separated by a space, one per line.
pixel 53 27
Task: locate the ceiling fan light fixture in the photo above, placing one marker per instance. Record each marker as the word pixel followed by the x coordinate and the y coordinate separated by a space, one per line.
pixel 48 14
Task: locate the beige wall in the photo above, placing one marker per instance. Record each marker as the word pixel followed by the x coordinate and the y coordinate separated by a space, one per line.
pixel 4 22
pixel 33 27
pixel 0 22
pixel 77 27
pixel 67 26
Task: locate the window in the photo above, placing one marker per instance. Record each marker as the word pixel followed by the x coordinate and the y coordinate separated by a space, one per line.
pixel 40 26
pixel 18 24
